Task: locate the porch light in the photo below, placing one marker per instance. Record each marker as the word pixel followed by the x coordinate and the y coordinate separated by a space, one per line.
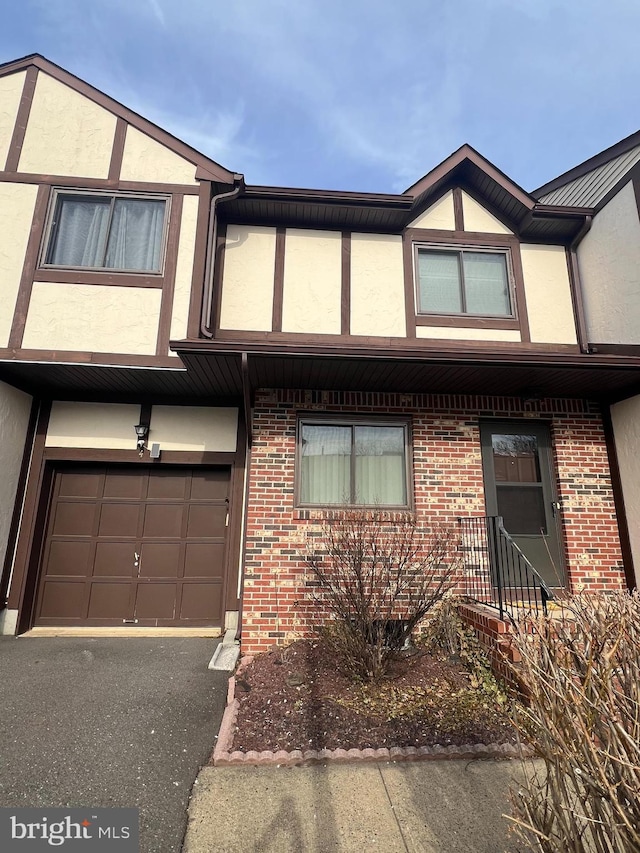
pixel 142 430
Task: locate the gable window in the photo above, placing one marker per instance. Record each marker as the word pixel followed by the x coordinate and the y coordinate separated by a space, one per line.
pixel 353 463
pixel 474 282
pixel 112 232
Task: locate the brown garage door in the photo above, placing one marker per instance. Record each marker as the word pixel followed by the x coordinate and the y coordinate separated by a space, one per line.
pixel 135 546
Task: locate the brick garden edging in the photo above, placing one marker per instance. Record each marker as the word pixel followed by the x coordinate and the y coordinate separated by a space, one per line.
pixel 224 756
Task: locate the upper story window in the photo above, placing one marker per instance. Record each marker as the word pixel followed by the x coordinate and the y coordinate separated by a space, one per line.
pixel 353 463
pixel 115 232
pixel 472 282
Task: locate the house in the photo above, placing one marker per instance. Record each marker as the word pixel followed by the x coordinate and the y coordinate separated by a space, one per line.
pixel 192 369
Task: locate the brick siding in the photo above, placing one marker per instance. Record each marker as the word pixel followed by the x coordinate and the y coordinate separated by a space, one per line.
pixel 447 483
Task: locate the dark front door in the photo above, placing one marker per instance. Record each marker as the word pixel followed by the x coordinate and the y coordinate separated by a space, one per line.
pixel 135 545
pixel 519 486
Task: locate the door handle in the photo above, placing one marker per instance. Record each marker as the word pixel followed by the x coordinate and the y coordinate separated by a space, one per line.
pixel 556 507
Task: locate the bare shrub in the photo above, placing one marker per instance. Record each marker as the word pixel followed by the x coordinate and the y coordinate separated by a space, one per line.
pixel 580 673
pixel 375 576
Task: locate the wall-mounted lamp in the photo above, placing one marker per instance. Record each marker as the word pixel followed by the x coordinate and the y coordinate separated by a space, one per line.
pixel 142 430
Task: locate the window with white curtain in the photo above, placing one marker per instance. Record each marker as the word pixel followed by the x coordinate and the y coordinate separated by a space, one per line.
pixel 353 464
pixel 473 282
pixel 107 232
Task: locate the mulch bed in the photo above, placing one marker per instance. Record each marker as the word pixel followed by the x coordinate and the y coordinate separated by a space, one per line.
pixel 297 698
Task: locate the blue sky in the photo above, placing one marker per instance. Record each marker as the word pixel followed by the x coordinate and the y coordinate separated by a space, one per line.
pixel 361 95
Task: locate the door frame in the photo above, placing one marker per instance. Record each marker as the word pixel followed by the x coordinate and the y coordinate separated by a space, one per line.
pixel 548 475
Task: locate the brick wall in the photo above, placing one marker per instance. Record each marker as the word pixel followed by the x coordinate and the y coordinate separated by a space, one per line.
pixel 447 473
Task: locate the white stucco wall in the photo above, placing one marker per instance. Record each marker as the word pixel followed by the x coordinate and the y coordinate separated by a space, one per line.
pixel 17 204
pixel 10 93
pixel 194 428
pixel 97 425
pixel 15 407
pixel 609 260
pixel 93 318
pixel 452 333
pixel 144 159
pixel 548 294
pixel 67 134
pixel 626 428
pixel 248 278
pixel 184 268
pixel 477 219
pixel 439 216
pixel 312 285
pixel 377 285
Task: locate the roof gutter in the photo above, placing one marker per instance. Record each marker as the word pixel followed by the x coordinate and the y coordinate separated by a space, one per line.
pixel 212 237
pixel 576 285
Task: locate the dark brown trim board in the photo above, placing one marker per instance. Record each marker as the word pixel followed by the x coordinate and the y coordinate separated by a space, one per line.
pixel 170 265
pixel 28 269
pixel 30 533
pixel 409 283
pixel 576 299
pixel 169 457
pixel 458 209
pixel 19 501
pixel 199 260
pixel 113 279
pixel 618 498
pixel 117 150
pixel 103 184
pixel 278 280
pixel 103 359
pixel 345 293
pixel 22 118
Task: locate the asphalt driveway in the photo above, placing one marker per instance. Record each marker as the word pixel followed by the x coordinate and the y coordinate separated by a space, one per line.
pixel 109 722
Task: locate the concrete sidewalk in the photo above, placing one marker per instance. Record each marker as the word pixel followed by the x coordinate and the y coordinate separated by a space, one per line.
pixel 421 807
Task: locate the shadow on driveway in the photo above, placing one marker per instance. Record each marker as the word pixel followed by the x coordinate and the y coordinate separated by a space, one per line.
pixel 109 722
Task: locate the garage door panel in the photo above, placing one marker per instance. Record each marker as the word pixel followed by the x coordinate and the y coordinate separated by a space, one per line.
pixel 114 559
pixel 201 601
pixel 210 485
pixel 120 484
pixel 204 560
pixel 69 558
pixel 160 560
pixel 63 599
pixel 73 519
pixel 118 520
pixel 75 484
pixel 163 520
pixel 109 600
pixel 167 484
pixel 206 521
pixel 156 601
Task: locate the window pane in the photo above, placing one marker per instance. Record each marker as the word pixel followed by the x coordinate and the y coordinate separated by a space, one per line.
pixel 326 462
pixel 135 238
pixel 80 232
pixel 486 283
pixel 439 282
pixel 380 466
pixel 515 458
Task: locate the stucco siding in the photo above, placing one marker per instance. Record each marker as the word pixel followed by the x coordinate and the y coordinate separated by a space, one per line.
pixel 377 285
pixel 248 278
pixel 15 407
pixel 451 333
pixel 10 93
pixel 477 219
pixel 93 318
pixel 67 134
pixel 144 159
pixel 626 427
pixel 194 428
pixel 609 259
pixel 312 281
pixel 548 294
pixel 439 216
pixel 108 426
pixel 184 268
pixel 17 204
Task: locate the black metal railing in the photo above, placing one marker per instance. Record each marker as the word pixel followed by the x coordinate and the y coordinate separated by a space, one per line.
pixel 496 572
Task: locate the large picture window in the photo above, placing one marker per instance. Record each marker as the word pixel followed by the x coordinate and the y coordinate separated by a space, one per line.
pixel 107 232
pixel 472 282
pixel 353 463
